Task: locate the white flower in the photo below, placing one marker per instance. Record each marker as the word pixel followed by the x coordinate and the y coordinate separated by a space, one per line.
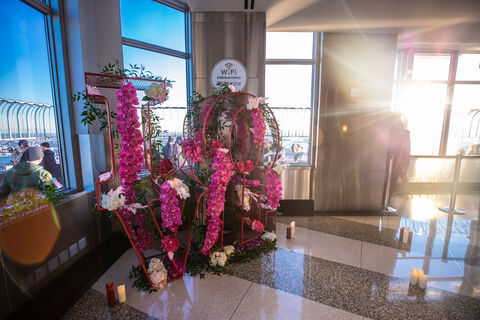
pixel 253 103
pixel 223 150
pixel 133 207
pixel 157 91
pixel 246 196
pixel 105 176
pixel 156 265
pixel 93 90
pixel 113 200
pixel 270 236
pixel 278 168
pixel 218 259
pixel 229 250
pixel 181 188
pixel 232 88
pixel 158 276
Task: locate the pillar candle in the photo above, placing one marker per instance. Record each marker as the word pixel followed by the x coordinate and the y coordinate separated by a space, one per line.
pixel 122 297
pixel 289 233
pixel 405 235
pixel 422 281
pixel 111 295
pixel 414 276
pixel 292 226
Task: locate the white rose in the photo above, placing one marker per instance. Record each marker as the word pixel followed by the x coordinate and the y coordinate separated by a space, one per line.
pixel 270 236
pixel 158 276
pixel 229 250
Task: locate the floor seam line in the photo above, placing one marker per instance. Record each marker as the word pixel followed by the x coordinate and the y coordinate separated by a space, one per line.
pixel 251 283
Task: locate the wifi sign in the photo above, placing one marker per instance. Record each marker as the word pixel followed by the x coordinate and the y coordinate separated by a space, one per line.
pixel 229 71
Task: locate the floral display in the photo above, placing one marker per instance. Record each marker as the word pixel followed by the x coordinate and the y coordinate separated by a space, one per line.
pixel 164 166
pixel 170 244
pixel 181 188
pixel 174 272
pixel 171 216
pixel 257 226
pixel 158 91
pixel 244 166
pixel 216 194
pixel 193 149
pixel 113 199
pixel 274 189
pixel 259 127
pixel 158 273
pixel 131 161
pixel 269 236
pixel 229 250
pixel 250 245
pixel 218 259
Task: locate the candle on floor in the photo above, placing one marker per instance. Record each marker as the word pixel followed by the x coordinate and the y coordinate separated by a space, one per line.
pixel 122 297
pixel 289 233
pixel 405 235
pixel 292 226
pixel 414 274
pixel 111 295
pixel 422 281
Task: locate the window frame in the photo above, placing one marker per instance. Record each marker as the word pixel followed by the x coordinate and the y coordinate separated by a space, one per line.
pixel 59 75
pixel 315 62
pixel 403 78
pixel 187 55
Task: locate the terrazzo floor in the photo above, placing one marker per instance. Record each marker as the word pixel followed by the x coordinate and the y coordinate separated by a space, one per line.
pixel 335 268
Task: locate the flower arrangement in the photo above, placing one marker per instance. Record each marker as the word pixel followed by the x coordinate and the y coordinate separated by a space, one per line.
pixel 158 273
pixel 158 91
pixel 171 217
pixel 274 189
pixel 229 250
pixel 269 236
pixel 216 194
pixel 113 200
pixel 244 167
pixel 193 149
pixel 170 244
pixel 218 259
pixel 257 226
pixel 131 161
pixel 164 166
pixel 250 245
pixel 259 127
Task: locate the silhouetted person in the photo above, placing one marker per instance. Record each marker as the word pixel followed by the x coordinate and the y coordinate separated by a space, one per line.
pixel 27 174
pixel 49 162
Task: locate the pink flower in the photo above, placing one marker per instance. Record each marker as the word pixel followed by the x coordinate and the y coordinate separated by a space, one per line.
pixel 170 244
pixel 257 226
pixel 274 189
pixel 193 149
pixel 171 215
pixel 259 127
pixel 232 88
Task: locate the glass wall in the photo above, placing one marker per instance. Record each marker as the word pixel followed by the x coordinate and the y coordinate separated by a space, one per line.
pixel 290 63
pixel 27 104
pixel 156 35
pixel 437 94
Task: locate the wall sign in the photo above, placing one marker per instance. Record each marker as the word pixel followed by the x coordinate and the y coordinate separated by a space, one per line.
pixel 230 71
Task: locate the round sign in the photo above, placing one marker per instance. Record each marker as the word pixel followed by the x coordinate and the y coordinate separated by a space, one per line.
pixel 229 71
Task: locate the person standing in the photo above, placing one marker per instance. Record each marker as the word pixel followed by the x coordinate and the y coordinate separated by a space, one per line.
pixel 18 152
pixel 49 162
pixel 26 174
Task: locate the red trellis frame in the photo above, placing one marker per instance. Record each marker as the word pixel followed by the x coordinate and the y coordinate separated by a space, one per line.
pixel 115 82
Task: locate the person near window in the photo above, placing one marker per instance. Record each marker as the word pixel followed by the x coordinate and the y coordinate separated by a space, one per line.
pixel 26 174
pixel 49 162
pixel 18 152
pixel 399 147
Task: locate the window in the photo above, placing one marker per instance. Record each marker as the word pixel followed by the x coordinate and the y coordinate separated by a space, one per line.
pixel 435 92
pixel 28 101
pixel 157 36
pixel 289 71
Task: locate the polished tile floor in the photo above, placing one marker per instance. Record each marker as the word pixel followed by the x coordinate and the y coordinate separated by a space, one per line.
pixel 337 267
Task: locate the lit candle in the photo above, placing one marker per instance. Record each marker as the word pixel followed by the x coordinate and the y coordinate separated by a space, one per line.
pixel 122 297
pixel 414 274
pixel 292 226
pixel 422 281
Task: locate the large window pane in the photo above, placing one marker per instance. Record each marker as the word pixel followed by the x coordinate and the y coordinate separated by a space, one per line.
pixel 461 133
pixel 430 67
pixel 288 86
pixel 152 22
pixel 288 89
pixel 26 105
pixel 289 45
pixel 166 66
pixel 424 105
pixel 468 67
